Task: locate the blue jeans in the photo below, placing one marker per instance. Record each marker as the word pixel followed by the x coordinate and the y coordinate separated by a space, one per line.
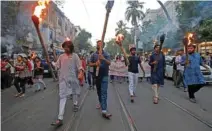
pixel 90 79
pixel 101 86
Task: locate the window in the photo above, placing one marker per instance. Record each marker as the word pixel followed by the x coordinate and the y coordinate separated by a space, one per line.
pixel 59 22
pixel 66 27
pixel 51 35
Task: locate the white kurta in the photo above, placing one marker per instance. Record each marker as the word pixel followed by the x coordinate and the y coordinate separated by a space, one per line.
pixel 68 74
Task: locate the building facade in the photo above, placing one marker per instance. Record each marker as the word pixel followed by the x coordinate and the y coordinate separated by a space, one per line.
pixel 56 26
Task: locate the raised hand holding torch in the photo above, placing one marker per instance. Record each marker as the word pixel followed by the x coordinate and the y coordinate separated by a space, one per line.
pixel 162 38
pixel 36 18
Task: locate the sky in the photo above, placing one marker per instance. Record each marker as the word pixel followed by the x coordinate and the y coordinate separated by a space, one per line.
pixel 90 15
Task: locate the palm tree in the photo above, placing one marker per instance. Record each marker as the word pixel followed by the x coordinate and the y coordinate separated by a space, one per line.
pixel 121 27
pixel 134 12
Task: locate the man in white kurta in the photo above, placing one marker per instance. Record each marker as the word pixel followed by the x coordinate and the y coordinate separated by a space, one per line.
pixel 68 66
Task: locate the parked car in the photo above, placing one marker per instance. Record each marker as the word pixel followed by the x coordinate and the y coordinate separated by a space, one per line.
pixel 47 71
pixel 169 70
pixel 46 67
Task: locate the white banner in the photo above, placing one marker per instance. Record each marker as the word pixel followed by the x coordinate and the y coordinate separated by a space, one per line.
pixel 119 69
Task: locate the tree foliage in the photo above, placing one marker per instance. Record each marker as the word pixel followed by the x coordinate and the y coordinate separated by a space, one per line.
pixel 134 12
pixel 186 12
pixel 82 41
pixel 205 30
pixel 9 11
pixel 111 46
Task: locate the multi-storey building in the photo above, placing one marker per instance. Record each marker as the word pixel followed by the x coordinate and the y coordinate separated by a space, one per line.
pixel 58 26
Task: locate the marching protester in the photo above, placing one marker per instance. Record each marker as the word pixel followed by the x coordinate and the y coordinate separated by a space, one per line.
pixel 157 63
pixel 28 71
pixel 31 72
pixel 118 62
pixel 70 72
pixel 102 78
pixel 20 74
pixel 132 62
pixel 208 59
pixel 179 70
pixel 38 74
pixel 193 76
pixel 5 69
pixel 91 74
pixel 146 67
pixel 174 76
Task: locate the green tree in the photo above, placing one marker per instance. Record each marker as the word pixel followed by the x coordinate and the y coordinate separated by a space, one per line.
pixel 111 47
pixel 186 12
pixel 9 11
pixel 205 30
pixel 134 12
pixel 82 41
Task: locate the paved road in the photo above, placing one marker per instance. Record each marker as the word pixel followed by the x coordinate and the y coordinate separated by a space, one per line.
pixel 174 112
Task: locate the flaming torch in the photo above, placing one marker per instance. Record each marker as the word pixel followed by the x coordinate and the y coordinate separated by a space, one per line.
pixel 36 18
pixel 162 38
pixel 187 41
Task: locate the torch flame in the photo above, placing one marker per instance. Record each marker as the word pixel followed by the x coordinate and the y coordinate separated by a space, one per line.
pixel 190 35
pixel 40 7
pixel 68 39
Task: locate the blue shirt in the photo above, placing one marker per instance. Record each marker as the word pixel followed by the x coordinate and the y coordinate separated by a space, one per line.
pixel 192 72
pixel 104 67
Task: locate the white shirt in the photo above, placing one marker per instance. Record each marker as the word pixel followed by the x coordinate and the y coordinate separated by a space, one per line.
pixel 178 60
pixel 32 63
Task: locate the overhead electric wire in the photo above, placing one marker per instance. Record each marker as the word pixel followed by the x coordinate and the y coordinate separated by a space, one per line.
pixel 86 10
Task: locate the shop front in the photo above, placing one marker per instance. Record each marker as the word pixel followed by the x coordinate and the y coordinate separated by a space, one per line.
pixel 205 47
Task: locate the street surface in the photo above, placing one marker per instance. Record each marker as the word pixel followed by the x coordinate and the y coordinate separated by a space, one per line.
pixel 175 112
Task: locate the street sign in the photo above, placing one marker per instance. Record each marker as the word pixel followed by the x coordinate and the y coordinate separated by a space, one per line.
pixel 140 45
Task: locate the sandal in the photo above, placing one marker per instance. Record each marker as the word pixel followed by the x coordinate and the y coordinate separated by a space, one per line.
pixel 106 115
pixel 22 95
pixel 17 95
pixel 155 100
pixel 76 108
pixel 131 99
pixel 57 123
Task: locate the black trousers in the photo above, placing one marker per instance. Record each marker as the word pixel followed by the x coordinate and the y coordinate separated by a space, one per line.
pixel 19 84
pixel 4 79
pixel 192 89
pixel 29 80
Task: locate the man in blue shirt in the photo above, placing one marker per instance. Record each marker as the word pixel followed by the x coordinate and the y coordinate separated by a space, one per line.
pixel 102 61
pixel 193 76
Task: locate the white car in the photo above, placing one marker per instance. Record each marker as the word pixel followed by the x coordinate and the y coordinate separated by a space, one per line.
pixel 169 70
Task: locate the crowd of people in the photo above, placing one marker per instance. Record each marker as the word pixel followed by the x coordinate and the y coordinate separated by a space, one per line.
pixel 74 70
pixel 20 72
